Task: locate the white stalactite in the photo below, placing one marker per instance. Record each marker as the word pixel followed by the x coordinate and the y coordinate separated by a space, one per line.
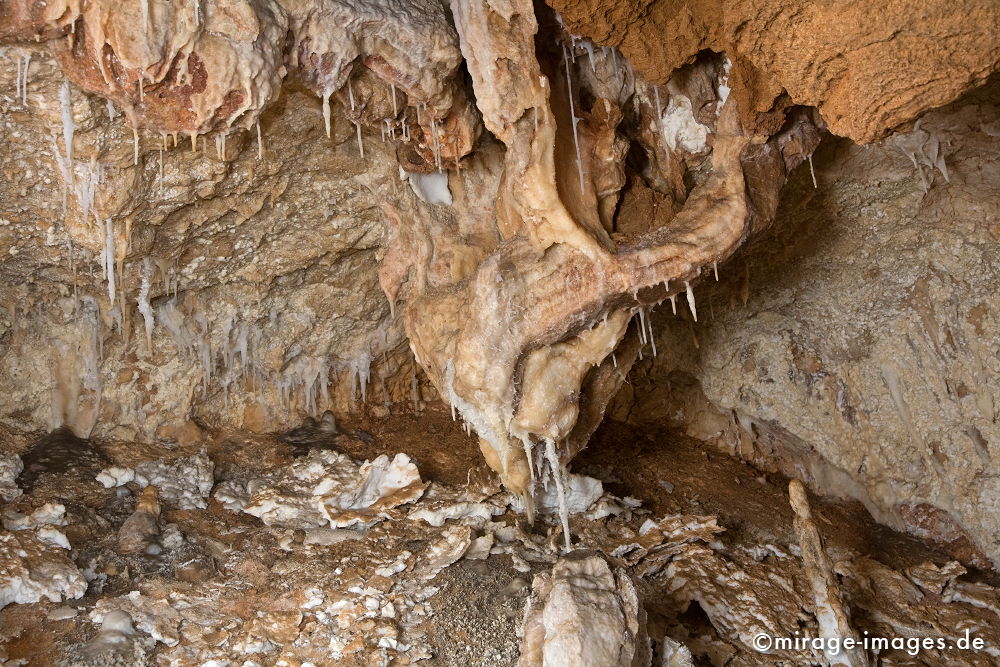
pixel 109 259
pixel 556 470
pixel 69 126
pixel 143 302
pixel 690 297
pixel 573 118
pixel 326 111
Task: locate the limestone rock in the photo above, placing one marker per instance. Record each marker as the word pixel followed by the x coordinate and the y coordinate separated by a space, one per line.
pixel 869 369
pixel 31 570
pixel 584 613
pixel 140 530
pixel 326 488
pixel 184 482
pixel 10 468
pixel 860 76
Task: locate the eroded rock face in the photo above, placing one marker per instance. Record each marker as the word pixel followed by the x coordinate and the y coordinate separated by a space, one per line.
pixel 867 365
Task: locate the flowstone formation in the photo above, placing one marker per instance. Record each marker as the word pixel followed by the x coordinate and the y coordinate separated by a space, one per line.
pixel 542 193
pixel 530 343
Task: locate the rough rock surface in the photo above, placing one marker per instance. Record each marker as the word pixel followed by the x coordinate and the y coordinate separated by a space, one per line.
pixel 856 61
pixel 220 585
pixel 856 347
pixel 584 613
pixel 259 296
pixel 32 570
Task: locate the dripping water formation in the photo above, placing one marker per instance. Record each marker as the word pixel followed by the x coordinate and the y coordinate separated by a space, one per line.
pixel 377 367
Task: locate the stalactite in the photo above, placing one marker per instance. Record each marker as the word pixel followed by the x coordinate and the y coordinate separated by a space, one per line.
pixel 690 299
pixel 326 111
pixel 573 119
pixel 109 259
pixel 69 126
pixel 23 63
pixel 557 471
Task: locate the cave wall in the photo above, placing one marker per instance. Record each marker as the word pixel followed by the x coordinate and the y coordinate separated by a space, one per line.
pixel 152 291
pixel 857 344
pixel 261 270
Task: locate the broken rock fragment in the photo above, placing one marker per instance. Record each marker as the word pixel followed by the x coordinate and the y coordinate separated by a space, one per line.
pixel 32 570
pixel 10 468
pixel 326 488
pixel 139 532
pixel 584 614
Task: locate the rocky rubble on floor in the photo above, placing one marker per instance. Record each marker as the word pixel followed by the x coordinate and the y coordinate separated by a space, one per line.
pixel 321 557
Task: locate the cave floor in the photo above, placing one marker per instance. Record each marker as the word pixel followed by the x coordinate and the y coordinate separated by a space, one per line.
pixel 711 547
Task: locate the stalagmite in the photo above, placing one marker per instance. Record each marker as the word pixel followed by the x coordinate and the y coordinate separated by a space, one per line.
pixel 135 147
pixel 690 298
pixel 830 612
pixel 584 613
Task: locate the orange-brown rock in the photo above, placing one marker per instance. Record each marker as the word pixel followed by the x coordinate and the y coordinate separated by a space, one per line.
pixel 868 67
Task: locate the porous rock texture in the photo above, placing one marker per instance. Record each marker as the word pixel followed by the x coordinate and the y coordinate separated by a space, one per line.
pixel 162 286
pixel 867 67
pixel 856 346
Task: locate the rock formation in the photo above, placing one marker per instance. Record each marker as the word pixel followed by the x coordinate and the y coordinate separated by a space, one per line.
pixel 866 364
pixel 162 288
